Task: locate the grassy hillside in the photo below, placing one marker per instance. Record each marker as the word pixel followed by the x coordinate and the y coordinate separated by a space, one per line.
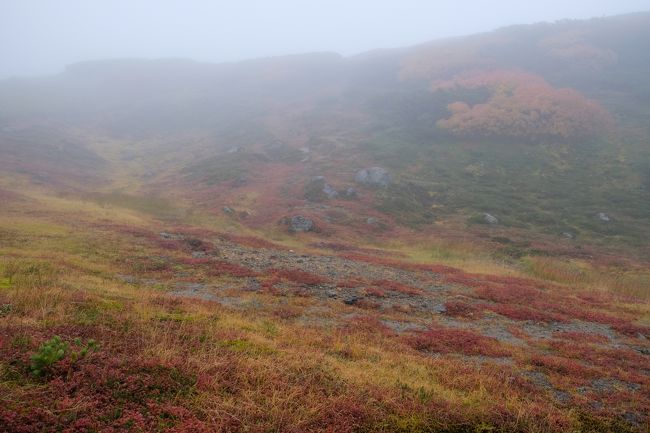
pixel 175 121
pixel 154 276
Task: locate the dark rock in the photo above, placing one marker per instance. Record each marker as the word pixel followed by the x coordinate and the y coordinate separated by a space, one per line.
pixel 373 177
pixel 227 209
pixel 299 223
pixel 351 300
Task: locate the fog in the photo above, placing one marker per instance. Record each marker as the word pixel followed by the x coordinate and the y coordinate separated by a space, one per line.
pixel 42 36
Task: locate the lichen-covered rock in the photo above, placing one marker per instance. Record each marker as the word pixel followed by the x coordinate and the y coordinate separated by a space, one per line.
pixel 373 177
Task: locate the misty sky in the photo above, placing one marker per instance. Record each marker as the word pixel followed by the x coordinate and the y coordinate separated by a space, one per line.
pixel 42 36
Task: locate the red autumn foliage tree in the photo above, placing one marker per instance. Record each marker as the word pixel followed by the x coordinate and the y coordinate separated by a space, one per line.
pixel 523 106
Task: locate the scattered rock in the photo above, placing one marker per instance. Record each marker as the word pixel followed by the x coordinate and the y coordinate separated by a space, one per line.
pixel 372 221
pixel 299 223
pixel 602 216
pixel 227 209
pixel 568 235
pixel 351 300
pixel 373 177
pixel 490 219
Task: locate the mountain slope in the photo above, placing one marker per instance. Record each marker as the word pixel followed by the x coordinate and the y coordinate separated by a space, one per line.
pixel 388 108
pixel 451 237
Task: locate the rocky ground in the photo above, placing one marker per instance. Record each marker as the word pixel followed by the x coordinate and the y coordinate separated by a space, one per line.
pixel 410 302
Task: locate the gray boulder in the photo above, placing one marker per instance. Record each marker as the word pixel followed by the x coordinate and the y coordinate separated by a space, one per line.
pixel 299 223
pixel 373 177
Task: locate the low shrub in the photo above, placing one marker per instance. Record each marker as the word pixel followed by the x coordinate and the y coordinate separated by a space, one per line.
pixel 446 340
pixel 299 277
pixel 461 309
pixel 55 350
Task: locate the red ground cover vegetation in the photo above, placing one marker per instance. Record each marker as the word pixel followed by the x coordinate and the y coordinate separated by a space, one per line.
pixel 376 292
pixel 351 283
pixel 447 340
pixel 462 309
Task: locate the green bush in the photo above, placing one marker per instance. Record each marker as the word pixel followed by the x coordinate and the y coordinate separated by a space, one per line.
pixel 55 350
